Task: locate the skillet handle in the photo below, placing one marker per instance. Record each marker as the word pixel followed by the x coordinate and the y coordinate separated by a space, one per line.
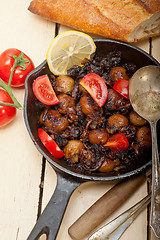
pixel 50 220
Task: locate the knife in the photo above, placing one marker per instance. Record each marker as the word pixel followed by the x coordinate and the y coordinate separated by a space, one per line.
pixel 115 229
pixel 110 201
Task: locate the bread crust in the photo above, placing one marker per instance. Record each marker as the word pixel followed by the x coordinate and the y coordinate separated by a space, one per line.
pixel 151 6
pixel 108 18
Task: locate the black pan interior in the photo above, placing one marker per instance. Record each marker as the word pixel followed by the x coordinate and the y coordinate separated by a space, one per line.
pixel 130 54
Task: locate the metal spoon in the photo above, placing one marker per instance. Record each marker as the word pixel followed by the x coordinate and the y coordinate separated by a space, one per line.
pixel 114 229
pixel 144 93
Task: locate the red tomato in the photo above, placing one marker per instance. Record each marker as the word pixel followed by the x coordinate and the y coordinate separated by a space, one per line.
pixel 117 142
pixel 7 113
pixel 6 64
pixel 96 87
pixel 43 90
pixel 50 144
pixel 122 87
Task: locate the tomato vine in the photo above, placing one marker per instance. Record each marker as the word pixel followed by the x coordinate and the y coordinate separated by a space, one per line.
pixel 23 63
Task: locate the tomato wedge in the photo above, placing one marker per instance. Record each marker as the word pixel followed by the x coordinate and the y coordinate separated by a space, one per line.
pixel 117 142
pixel 43 90
pixel 122 87
pixel 50 144
pixel 96 87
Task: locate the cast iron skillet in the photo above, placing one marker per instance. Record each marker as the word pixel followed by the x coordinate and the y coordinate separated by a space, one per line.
pixel 67 179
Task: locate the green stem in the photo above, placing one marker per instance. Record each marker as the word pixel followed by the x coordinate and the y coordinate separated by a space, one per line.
pixel 9 104
pixel 11 75
pixel 23 63
pixel 9 91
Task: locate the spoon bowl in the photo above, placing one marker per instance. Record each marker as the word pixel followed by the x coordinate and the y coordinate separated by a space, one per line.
pixel 144 94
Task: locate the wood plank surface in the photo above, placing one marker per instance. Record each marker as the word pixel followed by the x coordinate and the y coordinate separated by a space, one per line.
pixel 21 164
pixel 20 170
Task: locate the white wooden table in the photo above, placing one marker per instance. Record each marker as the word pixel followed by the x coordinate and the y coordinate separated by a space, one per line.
pixel 23 174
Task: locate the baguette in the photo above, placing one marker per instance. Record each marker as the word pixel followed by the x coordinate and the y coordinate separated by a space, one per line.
pixel 125 20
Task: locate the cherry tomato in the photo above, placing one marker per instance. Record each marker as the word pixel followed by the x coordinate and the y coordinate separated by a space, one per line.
pixel 6 64
pixel 122 87
pixel 43 90
pixel 7 113
pixel 96 87
pixel 117 142
pixel 50 144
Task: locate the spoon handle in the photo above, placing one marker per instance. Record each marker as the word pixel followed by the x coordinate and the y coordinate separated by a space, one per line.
pixel 155 199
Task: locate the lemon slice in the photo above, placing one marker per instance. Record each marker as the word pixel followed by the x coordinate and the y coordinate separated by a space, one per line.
pixel 69 49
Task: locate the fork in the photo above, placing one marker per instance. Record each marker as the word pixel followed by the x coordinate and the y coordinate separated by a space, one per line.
pixel 114 229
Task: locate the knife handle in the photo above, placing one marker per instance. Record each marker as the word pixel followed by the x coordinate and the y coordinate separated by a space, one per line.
pixel 104 207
